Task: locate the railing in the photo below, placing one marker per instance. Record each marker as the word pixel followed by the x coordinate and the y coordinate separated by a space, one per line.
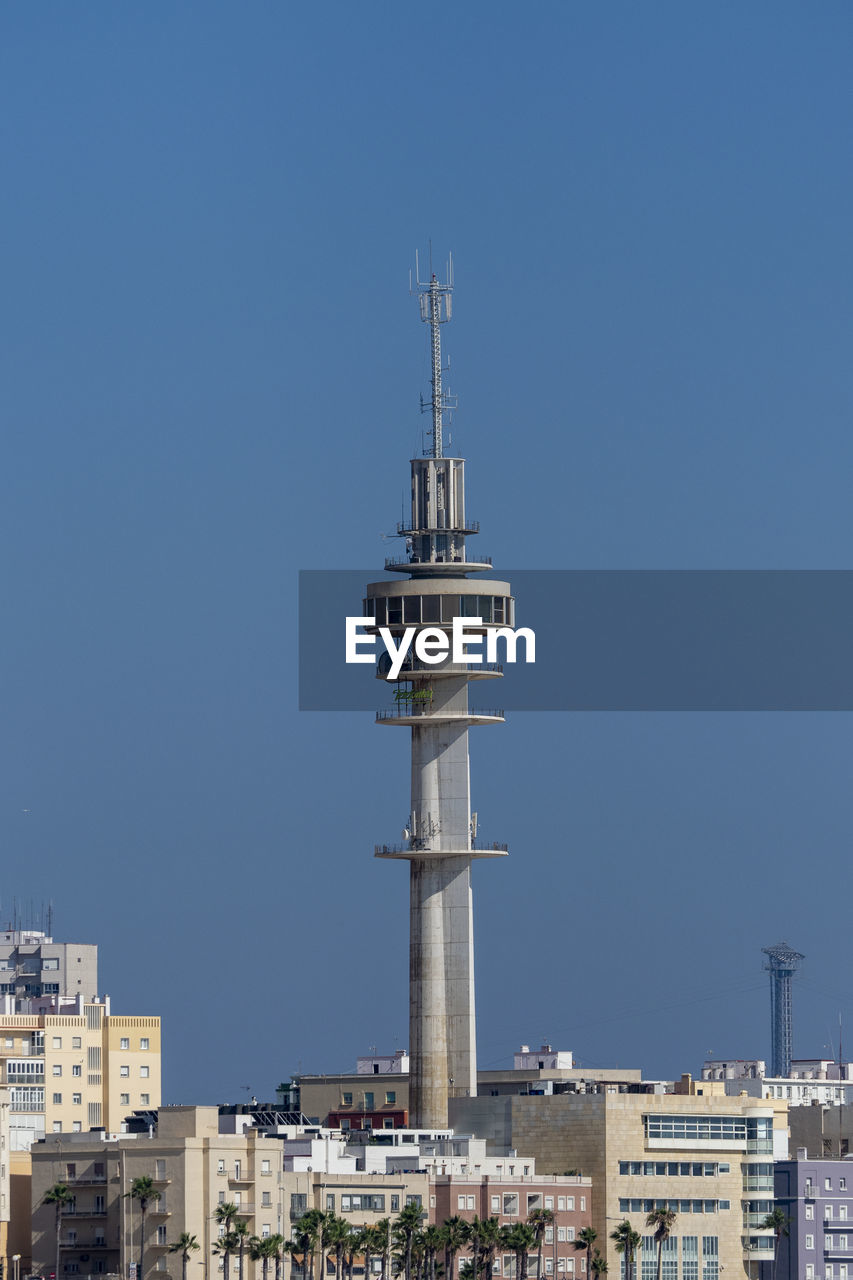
pixel 18 1077
pixel 401 562
pixel 87 1179
pixel 477 846
pixel 76 1212
pixel 428 710
pixel 406 526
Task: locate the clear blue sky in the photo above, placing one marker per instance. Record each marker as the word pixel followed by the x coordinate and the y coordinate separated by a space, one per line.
pixel 210 379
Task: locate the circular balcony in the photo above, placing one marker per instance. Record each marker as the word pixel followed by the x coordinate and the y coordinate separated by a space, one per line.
pixel 417 715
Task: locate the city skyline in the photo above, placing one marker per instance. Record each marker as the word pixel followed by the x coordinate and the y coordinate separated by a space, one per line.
pixel 208 352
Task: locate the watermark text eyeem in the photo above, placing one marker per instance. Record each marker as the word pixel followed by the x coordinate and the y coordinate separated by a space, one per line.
pixel 433 645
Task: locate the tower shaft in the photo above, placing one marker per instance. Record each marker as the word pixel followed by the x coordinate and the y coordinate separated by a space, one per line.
pixel 432 699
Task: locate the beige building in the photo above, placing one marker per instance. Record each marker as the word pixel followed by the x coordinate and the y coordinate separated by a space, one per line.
pixel 194 1167
pixel 76 1069
pixel 376 1094
pixel 707 1156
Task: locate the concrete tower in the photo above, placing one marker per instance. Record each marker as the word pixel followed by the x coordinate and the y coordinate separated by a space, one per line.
pixel 782 962
pixel 439 839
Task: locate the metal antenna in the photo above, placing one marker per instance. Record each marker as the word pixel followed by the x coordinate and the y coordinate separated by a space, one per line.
pixel 436 309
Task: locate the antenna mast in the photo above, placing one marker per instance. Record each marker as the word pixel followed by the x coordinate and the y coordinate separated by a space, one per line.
pixel 436 309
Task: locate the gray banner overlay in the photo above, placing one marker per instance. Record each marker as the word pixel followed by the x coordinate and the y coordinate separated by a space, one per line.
pixel 623 640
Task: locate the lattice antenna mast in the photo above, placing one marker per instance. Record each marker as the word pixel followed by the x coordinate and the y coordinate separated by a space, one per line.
pixel 436 309
pixel 782 962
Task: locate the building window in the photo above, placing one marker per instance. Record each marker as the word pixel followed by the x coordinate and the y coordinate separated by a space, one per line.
pixel 368 1100
pixel 265 1199
pixel 143 1042
pixel 346 1100
pixel 124 1043
pixel 391 1095
pixel 414 1200
pixel 124 1100
pixel 77 1099
pixel 124 1071
pixel 48 963
pixel 842 1184
pixel 237 1171
pixel 583 1203
pixel 809 1242
pixel 330 1201
pixel 570 1204
pixel 220 1166
pixel 57 1099
pixel 510 1203
pixel 57 1042
pixel 827 1182
pixel 76 1127
pixel 76 1042
pixel 57 1126
pixel 265 1231
pixel 144 1072
pixel 161 1235
pixel 496 1204
pixel 265 1167
pixel 145 1099
pixel 549 1202
pixel 395 1204
pixel 159 1170
pixel 76 1069
pixel 57 1069
pixel 809 1212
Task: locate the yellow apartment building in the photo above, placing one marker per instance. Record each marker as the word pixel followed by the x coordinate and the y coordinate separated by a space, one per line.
pixel 75 1070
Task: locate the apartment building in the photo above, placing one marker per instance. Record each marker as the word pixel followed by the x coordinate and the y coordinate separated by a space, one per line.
pixel 817 1198
pixel 812 1080
pixel 75 1066
pixel 32 965
pixel 707 1156
pixel 194 1168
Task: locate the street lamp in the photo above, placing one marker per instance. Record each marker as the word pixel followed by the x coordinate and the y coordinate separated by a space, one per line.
pixel 16 1270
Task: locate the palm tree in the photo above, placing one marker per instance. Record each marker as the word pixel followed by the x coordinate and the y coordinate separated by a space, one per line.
pixel 433 1239
pixel 336 1235
pixel 240 1232
pixel 540 1220
pixel 405 1227
pixel 293 1247
pixel 598 1265
pixel 519 1238
pixel 59 1195
pixel 224 1246
pixel 224 1214
pixel 476 1228
pixel 184 1245
pixel 489 1233
pixel 261 1249
pixel 586 1238
pixel 310 1230
pixel 455 1232
pixel 383 1238
pixel 142 1189
pixel 663 1220
pixel 777 1222
pixel 628 1241
pixel 276 1248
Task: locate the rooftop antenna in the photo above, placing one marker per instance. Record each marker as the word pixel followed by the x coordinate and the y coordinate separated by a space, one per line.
pixel 436 309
